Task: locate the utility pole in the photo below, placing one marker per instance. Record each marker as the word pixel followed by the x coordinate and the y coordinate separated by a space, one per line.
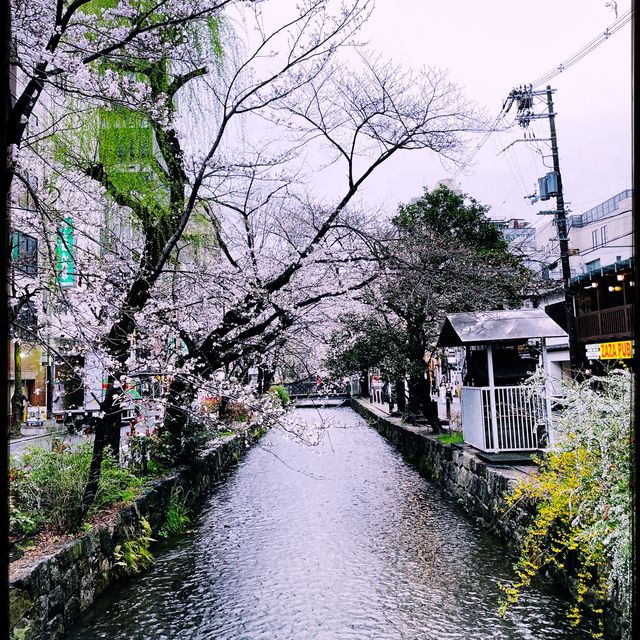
pixel 563 239
pixel 523 98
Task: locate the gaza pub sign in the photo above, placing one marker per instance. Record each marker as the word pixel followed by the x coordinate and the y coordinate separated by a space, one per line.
pixel 622 350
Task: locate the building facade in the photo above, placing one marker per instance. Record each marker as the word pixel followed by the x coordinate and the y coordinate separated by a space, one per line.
pixel 603 284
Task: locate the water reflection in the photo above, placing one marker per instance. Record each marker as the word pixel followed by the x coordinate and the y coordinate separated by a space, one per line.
pixel 342 540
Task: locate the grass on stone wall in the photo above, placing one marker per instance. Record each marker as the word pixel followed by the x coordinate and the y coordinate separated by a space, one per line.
pixel 178 518
pixel 451 437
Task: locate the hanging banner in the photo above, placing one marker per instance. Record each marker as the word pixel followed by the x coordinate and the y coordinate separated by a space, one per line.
pixel 64 254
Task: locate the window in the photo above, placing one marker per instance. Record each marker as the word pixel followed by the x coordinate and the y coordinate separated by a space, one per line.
pixel 594 265
pixel 24 253
pixel 603 235
pixel 27 321
pixel 594 238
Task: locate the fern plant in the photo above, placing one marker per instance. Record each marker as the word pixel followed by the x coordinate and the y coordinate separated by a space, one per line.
pixel 133 556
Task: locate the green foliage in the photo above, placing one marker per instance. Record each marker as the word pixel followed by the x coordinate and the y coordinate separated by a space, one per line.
pixel 366 341
pixel 258 432
pixel 149 454
pixel 279 391
pixel 446 214
pixel 177 516
pixel 135 555
pixel 213 27
pixel 443 256
pixel 448 238
pixel 196 435
pixel 46 488
pixel 582 498
pixel 160 451
pixel 451 437
pixel 130 156
pixel 148 14
pixel 20 633
pixel 20 522
pixel 137 456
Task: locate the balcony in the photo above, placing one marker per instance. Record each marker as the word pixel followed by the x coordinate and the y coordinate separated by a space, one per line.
pixel 606 324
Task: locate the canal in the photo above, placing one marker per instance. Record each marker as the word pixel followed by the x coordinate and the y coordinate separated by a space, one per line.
pixel 339 540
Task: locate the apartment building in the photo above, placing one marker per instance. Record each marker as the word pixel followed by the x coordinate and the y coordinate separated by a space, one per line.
pixel 603 283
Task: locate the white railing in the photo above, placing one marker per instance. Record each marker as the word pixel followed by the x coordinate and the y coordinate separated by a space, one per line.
pixel 504 418
pixel 473 423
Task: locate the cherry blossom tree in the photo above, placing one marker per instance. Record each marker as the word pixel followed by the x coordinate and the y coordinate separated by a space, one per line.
pixel 273 98
pixel 126 80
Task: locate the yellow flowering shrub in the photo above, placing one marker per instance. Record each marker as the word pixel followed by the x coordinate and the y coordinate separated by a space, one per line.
pixel 582 500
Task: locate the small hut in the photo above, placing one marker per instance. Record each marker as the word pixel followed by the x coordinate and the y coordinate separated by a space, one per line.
pixel 503 348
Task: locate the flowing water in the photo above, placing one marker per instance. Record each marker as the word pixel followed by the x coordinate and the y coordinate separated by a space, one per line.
pixel 340 540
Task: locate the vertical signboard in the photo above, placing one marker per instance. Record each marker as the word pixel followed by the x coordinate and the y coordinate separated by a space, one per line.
pixel 64 253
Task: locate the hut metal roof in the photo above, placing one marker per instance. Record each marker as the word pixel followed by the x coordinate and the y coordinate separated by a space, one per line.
pixel 498 326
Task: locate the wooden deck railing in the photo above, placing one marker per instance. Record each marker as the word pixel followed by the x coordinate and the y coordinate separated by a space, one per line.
pixel 606 323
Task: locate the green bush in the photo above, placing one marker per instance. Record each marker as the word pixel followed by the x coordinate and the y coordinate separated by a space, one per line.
pixel 582 496
pixel 237 412
pixel 46 488
pixel 282 394
pixel 149 453
pixel 197 433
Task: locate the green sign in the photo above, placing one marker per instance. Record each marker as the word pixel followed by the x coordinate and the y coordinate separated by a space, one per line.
pixel 64 254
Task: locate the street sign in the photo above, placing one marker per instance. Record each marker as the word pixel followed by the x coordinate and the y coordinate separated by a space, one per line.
pixel 622 350
pixel 64 253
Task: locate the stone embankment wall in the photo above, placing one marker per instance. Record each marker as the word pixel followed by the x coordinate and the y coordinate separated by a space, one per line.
pixel 48 595
pixel 480 488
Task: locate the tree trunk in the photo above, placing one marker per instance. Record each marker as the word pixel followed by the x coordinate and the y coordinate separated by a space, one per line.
pixel 416 390
pixel 104 432
pixel 223 407
pixel 112 428
pixel 430 410
pixel 17 404
pixel 400 395
pixel 180 396
pixel 267 379
pixel 364 383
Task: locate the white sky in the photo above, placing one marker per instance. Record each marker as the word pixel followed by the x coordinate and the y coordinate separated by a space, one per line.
pixel 489 48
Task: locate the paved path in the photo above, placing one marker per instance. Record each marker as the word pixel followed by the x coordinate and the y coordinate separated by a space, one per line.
pixel 18 445
pixel 456 410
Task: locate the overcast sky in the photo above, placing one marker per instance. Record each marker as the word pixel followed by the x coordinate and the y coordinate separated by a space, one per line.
pixel 488 48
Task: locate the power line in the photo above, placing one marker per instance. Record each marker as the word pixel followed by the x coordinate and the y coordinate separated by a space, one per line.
pixel 588 48
pixel 569 62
